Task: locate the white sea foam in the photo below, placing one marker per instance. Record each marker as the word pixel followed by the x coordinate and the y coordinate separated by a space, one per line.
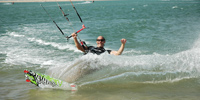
pixel 7 3
pixel 53 44
pixel 150 68
pixel 174 7
pixel 15 34
pixel 21 51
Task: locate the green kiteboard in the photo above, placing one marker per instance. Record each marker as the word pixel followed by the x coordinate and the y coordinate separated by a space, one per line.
pixel 45 81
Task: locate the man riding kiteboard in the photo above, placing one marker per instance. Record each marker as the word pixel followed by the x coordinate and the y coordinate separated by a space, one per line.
pixel 100 46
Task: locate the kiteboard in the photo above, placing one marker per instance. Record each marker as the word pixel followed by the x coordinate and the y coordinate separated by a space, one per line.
pixel 45 81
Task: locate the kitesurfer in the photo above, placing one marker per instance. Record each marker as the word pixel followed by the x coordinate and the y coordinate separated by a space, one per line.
pixel 100 46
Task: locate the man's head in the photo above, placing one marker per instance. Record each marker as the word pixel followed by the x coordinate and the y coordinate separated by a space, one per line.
pixel 100 41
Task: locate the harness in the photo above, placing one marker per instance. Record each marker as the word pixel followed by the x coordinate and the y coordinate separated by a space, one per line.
pixel 96 50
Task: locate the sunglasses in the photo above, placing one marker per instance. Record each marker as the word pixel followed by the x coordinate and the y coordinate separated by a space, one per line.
pixel 101 40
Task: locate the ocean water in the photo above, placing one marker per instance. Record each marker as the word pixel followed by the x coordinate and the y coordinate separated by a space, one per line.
pixel 161 59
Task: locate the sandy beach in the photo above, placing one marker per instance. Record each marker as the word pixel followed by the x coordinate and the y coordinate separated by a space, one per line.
pixel 2 1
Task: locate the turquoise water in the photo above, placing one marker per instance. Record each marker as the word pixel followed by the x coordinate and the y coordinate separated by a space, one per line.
pixel 161 59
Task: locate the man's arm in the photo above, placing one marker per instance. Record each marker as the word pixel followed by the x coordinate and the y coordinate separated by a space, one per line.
pixel 121 49
pixel 79 47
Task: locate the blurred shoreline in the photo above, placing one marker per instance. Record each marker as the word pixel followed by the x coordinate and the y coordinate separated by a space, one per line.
pixel 13 1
